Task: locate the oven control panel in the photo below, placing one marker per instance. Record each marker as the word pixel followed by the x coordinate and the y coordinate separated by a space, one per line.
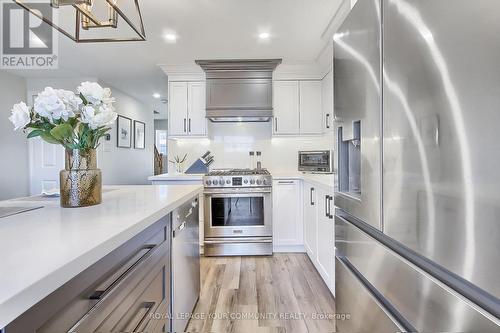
pixel 237 181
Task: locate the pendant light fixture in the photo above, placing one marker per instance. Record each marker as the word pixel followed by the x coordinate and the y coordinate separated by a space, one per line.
pixel 87 21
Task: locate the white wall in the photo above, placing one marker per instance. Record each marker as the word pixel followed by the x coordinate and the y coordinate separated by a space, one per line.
pixel 13 145
pixel 121 166
pixel 231 142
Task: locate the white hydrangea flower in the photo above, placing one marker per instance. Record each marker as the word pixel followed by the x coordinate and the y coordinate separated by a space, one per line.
pixel 71 101
pixel 20 116
pixel 94 93
pixel 49 105
pixel 97 116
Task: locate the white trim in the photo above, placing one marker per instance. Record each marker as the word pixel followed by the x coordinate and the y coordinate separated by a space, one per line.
pixel 183 72
pixel 310 71
pixel 289 248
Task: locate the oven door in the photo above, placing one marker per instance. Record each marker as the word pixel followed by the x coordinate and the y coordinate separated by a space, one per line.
pixel 238 212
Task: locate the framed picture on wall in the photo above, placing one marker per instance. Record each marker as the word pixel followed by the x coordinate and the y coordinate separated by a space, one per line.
pixel 139 134
pixel 124 132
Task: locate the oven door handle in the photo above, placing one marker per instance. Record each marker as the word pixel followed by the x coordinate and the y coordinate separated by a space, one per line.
pixel 238 240
pixel 236 193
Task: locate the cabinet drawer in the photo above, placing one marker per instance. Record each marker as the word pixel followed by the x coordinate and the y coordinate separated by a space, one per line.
pixel 130 299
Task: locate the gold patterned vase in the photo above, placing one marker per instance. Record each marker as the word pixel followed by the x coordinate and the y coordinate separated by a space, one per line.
pixel 81 182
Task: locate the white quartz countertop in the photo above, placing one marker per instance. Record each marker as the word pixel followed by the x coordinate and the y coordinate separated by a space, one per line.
pixel 177 176
pixel 42 249
pixel 324 180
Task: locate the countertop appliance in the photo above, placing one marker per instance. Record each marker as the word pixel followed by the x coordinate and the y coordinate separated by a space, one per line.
pixel 185 264
pixel 238 212
pixel 239 90
pixel 316 161
pixel 416 223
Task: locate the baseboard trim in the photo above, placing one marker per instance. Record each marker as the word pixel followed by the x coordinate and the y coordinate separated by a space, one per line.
pixel 289 248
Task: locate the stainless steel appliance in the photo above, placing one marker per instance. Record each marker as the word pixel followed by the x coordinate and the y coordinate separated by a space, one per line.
pixel 239 90
pixel 238 212
pixel 318 161
pixel 416 223
pixel 185 264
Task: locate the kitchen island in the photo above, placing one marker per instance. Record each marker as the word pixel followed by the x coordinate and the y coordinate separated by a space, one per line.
pixel 45 249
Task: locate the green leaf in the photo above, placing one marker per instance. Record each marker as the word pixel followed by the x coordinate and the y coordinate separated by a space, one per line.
pixel 35 133
pixel 62 131
pixel 85 102
pixel 49 138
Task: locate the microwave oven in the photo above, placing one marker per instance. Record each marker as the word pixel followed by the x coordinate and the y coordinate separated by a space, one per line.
pixel 316 161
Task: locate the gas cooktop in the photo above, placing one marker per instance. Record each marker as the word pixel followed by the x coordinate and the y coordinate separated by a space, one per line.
pixel 238 178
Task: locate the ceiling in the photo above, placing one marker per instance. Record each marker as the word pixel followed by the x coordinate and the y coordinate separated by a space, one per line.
pixel 206 29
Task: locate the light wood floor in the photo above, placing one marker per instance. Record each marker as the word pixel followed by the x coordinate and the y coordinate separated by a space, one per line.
pixel 282 293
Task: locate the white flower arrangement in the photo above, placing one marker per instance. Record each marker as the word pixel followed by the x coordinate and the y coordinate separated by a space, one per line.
pixel 76 121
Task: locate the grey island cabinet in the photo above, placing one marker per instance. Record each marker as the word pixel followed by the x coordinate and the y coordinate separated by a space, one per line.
pixel 115 267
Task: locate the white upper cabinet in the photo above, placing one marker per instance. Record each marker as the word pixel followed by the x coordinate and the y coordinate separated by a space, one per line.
pixel 178 105
pixel 187 109
pixel 197 123
pixel 311 113
pixel 297 107
pixel 286 107
pixel 327 100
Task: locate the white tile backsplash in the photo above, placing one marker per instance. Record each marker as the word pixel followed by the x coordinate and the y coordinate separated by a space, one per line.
pixel 231 142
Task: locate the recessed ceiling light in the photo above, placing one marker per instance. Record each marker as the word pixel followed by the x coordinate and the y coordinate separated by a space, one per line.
pixel 264 35
pixel 156 95
pixel 171 37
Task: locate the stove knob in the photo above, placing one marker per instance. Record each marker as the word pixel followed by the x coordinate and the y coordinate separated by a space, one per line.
pixel 228 181
pixel 209 182
pixel 245 181
pixel 264 182
pixel 252 181
pixel 259 181
pixel 215 181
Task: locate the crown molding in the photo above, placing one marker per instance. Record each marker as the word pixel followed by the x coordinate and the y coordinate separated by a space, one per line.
pixel 311 71
pixel 183 72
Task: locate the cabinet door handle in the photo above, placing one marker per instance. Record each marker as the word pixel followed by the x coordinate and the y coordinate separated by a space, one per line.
pixel 327 214
pixel 100 294
pixel 312 192
pixel 276 124
pixel 140 317
pixel 330 216
pixel 184 125
pixel 189 126
pixel 285 182
pixel 327 120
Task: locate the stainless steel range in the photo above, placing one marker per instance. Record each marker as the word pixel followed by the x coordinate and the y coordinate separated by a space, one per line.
pixel 238 212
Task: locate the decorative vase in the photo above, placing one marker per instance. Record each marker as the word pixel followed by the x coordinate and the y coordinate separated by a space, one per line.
pixel 80 181
pixel 179 167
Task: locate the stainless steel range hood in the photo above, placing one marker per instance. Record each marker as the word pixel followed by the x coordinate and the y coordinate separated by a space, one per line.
pixel 239 90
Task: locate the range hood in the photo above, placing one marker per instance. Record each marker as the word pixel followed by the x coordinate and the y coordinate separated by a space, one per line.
pixel 239 90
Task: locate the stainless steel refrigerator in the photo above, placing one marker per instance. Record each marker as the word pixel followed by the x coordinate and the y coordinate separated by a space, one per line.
pixel 417 108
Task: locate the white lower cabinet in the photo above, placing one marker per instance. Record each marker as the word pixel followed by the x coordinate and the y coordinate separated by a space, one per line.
pixel 319 231
pixel 287 216
pixel 326 238
pixel 310 208
pixel 303 222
